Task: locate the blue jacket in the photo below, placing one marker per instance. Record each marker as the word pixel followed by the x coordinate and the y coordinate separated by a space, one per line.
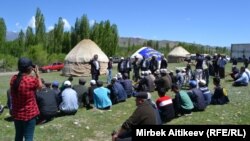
pixel 119 91
pixel 128 86
pixel 101 98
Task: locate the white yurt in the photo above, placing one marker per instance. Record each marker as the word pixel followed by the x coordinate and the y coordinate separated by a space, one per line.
pixel 76 63
pixel 178 54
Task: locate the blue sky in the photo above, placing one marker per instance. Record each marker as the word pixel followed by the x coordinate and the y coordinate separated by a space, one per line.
pixel 207 22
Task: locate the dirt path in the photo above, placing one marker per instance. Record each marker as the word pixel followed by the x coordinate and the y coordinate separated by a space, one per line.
pixel 8 73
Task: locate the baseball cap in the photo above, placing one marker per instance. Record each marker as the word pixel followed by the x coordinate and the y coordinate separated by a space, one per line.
pixel 55 83
pixel 67 83
pixel 24 63
pixel 192 83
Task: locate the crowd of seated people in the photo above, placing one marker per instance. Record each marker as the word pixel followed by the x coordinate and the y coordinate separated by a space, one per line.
pixel 67 99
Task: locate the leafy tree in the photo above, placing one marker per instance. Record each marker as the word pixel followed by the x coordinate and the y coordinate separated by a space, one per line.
pixel 78 30
pixel 55 57
pixel 150 43
pixel 115 40
pixel 58 36
pixel 50 42
pixel 202 50
pixel 75 33
pixel 40 27
pixel 12 48
pixel 37 54
pixel 73 37
pixel 129 42
pixel 95 32
pixel 100 34
pixel 2 33
pixel 156 45
pixel 167 49
pixel 21 43
pixel 66 44
pixel 8 62
pixel 38 44
pixel 106 36
pixel 30 37
pixel 84 28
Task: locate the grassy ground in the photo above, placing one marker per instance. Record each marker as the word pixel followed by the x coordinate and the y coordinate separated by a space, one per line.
pixel 95 125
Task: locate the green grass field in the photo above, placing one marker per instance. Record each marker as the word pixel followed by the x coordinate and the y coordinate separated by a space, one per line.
pixel 95 125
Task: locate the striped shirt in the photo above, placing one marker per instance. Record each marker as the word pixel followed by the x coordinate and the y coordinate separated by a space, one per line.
pixel 166 108
pixel 163 101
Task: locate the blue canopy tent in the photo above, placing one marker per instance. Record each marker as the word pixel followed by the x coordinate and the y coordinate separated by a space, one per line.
pixel 148 52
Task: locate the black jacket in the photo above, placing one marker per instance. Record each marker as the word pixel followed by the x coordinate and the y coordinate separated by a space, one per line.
pixel 94 69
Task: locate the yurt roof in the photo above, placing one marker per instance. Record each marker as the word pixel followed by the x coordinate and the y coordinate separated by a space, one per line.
pixel 179 51
pixel 84 52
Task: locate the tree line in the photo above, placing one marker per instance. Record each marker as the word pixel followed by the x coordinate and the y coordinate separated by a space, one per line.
pixel 165 49
pixel 51 46
pixel 47 47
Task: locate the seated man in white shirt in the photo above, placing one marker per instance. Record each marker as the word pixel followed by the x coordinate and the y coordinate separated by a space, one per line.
pixel 69 102
pixel 243 80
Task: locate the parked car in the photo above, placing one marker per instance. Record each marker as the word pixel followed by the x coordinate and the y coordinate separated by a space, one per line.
pixel 58 66
pixel 116 59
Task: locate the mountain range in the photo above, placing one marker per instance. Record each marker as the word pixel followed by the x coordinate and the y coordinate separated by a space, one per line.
pixel 123 41
pixel 10 35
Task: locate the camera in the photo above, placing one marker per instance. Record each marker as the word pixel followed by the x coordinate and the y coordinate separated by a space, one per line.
pixel 33 66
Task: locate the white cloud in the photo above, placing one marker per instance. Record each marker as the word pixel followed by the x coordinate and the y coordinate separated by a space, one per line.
pixel 32 22
pixel 50 28
pixel 91 22
pixel 67 26
pixel 18 26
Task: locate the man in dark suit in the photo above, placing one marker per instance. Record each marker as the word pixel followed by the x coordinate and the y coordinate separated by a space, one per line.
pixel 95 67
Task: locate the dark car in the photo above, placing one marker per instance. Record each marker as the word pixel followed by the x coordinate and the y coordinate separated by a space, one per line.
pixel 52 67
pixel 116 59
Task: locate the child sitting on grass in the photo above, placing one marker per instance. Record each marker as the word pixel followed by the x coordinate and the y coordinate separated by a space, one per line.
pixel 220 95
